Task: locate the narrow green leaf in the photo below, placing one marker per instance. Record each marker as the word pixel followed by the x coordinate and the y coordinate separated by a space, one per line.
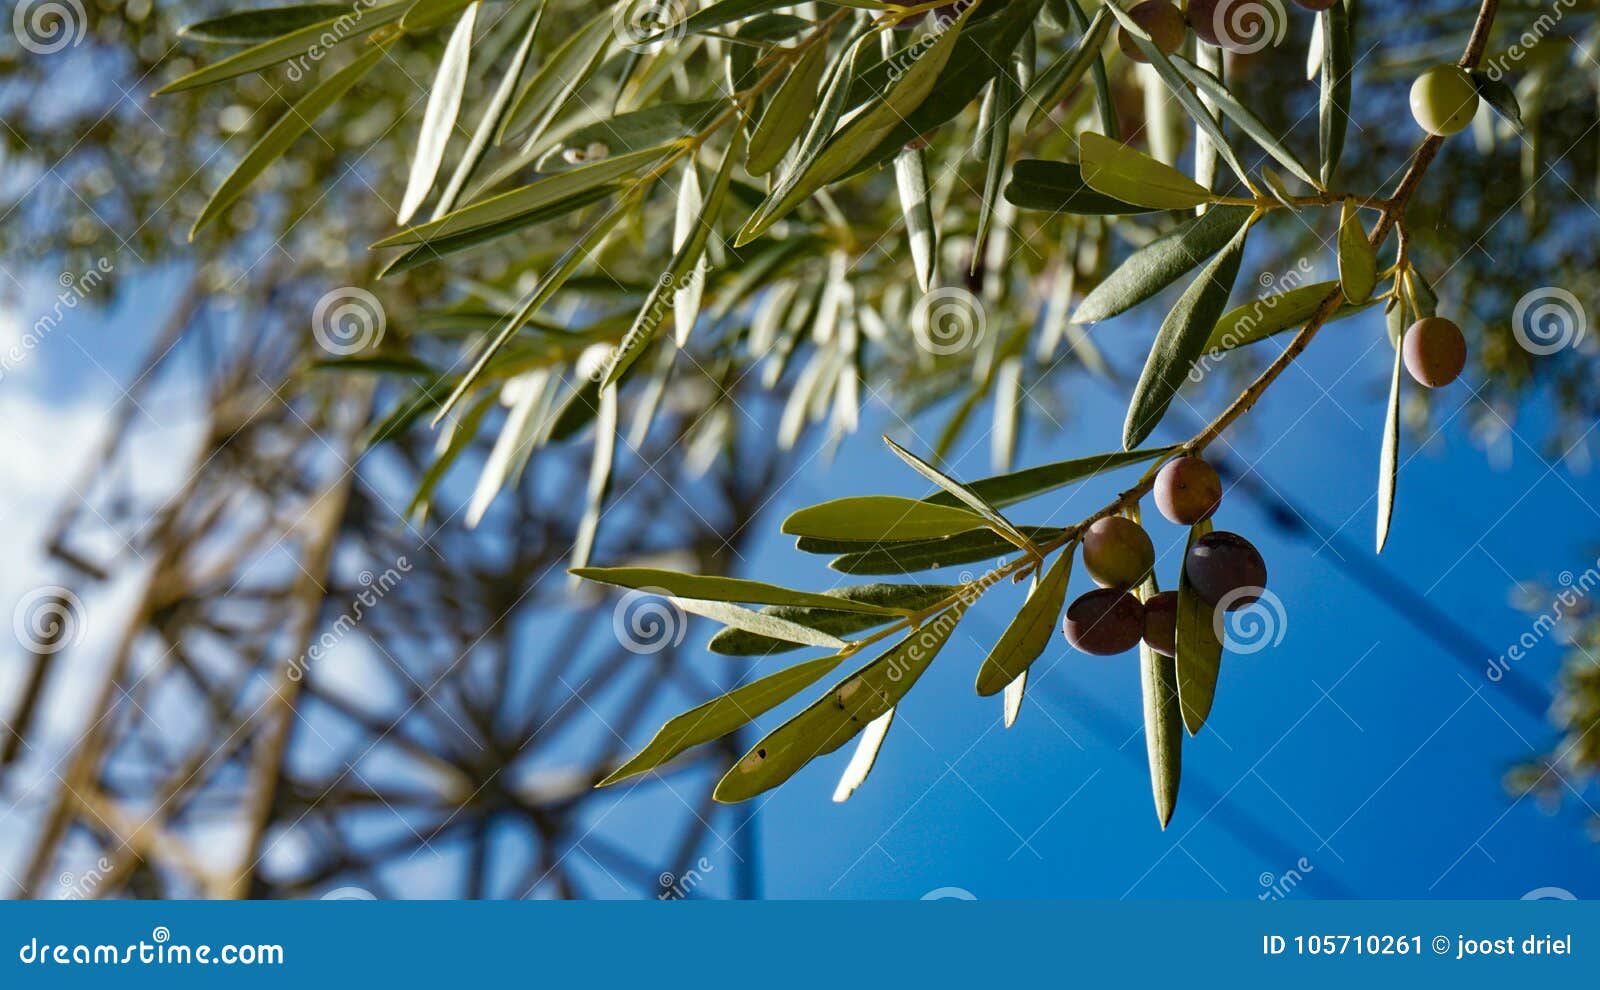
pixel 926 555
pixel 1181 341
pixel 1000 524
pixel 720 716
pixel 788 112
pixel 1163 722
pixel 911 181
pixel 684 260
pixel 249 27
pixel 981 53
pixel 553 86
pixel 1261 318
pixel 1501 98
pixel 439 248
pixel 494 115
pixel 1179 88
pixel 1162 262
pixel 1017 486
pixel 1333 106
pixel 1030 630
pixel 768 628
pixel 839 715
pixel 600 463
pixel 636 130
pixel 1199 653
pixel 997 146
pixel 439 118
pixel 1055 82
pixel 721 589
pixel 1213 89
pixel 536 195
pixel 1389 458
pixel 333 31
pixel 723 13
pixel 1358 260
pixel 1425 301
pixel 548 286
pixel 886 518
pixel 856 138
pixel 865 756
pixel 1119 171
pixel 283 133
pixel 425 14
pixel 1058 187
pixel 740 642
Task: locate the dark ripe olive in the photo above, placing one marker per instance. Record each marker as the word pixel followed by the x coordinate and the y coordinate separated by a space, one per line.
pixel 1117 552
pixel 1188 490
pixel 1104 622
pixel 1434 351
pixel 1222 567
pixel 1162 21
pixel 1161 623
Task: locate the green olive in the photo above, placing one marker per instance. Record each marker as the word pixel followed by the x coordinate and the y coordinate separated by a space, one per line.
pixel 1444 99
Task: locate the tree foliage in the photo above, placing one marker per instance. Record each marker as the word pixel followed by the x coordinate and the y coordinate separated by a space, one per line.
pixel 589 211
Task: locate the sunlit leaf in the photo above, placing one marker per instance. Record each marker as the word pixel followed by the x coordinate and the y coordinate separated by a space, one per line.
pixel 439 119
pixel 846 709
pixel 249 27
pixel 832 621
pixel 1058 187
pixel 1118 171
pixel 1163 722
pixel 1162 262
pixel 281 49
pixel 1030 630
pixel 722 715
pixel 721 589
pixel 284 132
pixel 1181 341
pixel 881 517
pixel 1358 260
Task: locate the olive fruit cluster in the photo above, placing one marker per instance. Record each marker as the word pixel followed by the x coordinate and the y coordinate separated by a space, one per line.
pixel 1223 568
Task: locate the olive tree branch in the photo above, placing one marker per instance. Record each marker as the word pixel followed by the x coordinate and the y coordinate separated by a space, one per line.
pixel 1391 218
